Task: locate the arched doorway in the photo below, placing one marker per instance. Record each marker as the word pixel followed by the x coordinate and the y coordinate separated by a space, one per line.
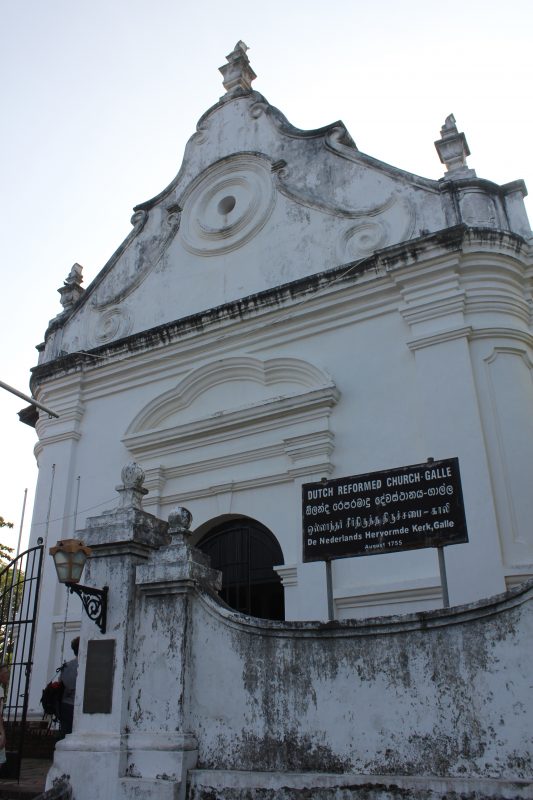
pixel 246 552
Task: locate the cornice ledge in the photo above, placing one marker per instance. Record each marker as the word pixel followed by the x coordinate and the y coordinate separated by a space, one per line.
pixel 243 308
pixel 288 574
pixel 408 594
pixel 224 461
pixel 428 310
pixel 308 471
pixel 524 337
pixel 498 305
pixel 189 495
pixel 457 238
pixel 55 439
pixel 431 339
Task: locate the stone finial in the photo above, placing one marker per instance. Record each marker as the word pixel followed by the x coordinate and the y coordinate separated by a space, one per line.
pixel 132 490
pixel 71 291
pixel 237 73
pixel 179 521
pixel 75 276
pixel 453 149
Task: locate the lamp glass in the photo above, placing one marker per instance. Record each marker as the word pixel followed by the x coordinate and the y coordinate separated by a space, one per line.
pixel 69 566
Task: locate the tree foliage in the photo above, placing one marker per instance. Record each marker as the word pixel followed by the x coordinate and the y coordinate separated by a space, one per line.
pixel 11 586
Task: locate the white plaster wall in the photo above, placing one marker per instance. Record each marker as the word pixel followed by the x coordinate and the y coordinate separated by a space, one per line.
pixel 239 701
pixel 232 419
pixel 446 694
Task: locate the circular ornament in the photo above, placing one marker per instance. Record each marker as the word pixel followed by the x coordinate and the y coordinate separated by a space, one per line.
pixel 114 323
pixel 227 205
pixel 363 239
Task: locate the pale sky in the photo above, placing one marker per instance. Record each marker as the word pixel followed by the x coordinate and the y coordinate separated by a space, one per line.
pixel 100 96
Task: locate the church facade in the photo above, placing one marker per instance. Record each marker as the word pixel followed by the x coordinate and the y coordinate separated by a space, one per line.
pixel 290 310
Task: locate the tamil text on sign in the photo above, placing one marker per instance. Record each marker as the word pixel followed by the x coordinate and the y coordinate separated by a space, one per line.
pixel 384 512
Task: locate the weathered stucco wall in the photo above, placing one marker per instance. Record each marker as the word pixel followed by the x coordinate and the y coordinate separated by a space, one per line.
pixel 438 693
pixel 206 698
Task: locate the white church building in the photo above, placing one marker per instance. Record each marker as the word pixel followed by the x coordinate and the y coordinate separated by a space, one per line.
pixel 289 309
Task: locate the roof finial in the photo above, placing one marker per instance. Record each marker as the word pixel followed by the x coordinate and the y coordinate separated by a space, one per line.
pixel 72 290
pixel 237 73
pixel 453 149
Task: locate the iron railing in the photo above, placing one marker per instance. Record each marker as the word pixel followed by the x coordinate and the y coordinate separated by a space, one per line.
pixel 19 593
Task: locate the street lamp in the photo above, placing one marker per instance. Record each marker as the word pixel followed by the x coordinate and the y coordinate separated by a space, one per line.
pixel 69 557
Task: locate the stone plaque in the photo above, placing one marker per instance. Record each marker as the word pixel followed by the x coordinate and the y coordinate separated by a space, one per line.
pixel 99 671
pixel 384 512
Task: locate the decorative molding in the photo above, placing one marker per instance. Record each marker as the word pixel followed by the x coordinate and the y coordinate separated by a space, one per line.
pixel 268 415
pixel 288 574
pixel 342 283
pixel 227 205
pixel 414 313
pixel 523 337
pixel 155 479
pixel 306 198
pixel 225 461
pixel 272 479
pixel 364 238
pixel 511 307
pixel 239 368
pixel 65 428
pixel 439 338
pixel 113 323
pixel 71 625
pixel 68 436
pixel 289 428
pixel 315 304
pixel 428 592
pixel 514 579
pixel 507 350
pixel 309 446
pixel 514 531
pixel 144 255
pixel 392 219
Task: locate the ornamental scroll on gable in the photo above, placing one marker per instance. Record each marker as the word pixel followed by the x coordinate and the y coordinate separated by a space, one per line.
pixel 284 203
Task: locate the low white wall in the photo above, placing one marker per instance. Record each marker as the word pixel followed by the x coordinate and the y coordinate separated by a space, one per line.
pixel 443 693
pixel 206 699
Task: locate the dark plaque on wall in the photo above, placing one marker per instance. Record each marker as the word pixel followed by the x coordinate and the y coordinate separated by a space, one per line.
pixel 384 512
pixel 99 670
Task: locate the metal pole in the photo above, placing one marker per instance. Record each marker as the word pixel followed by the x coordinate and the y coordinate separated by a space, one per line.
pixel 78 481
pixel 329 590
pixel 28 399
pixel 21 522
pixel 443 578
pixel 49 505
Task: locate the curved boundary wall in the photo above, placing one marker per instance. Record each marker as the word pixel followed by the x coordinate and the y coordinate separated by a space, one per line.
pixel 445 693
pixel 209 704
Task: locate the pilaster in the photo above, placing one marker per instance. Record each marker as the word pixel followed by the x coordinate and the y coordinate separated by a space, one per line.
pixel 438 337
pixel 141 747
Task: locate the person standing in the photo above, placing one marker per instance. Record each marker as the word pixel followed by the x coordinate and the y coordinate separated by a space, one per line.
pixel 69 673
pixel 4 681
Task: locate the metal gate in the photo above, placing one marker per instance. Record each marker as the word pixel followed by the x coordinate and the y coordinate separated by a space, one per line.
pixel 246 553
pixel 19 592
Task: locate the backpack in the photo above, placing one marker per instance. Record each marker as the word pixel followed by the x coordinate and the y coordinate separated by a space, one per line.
pixel 51 698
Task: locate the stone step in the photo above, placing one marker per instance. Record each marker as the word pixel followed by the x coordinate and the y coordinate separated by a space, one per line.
pixel 237 785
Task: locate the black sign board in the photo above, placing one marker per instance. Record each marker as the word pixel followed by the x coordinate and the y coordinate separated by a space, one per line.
pixel 384 512
pixel 99 670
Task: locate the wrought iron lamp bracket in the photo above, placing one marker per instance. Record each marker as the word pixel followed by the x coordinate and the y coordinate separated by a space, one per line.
pixel 94 602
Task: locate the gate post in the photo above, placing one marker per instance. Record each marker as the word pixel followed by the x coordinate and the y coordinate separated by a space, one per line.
pixel 138 744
